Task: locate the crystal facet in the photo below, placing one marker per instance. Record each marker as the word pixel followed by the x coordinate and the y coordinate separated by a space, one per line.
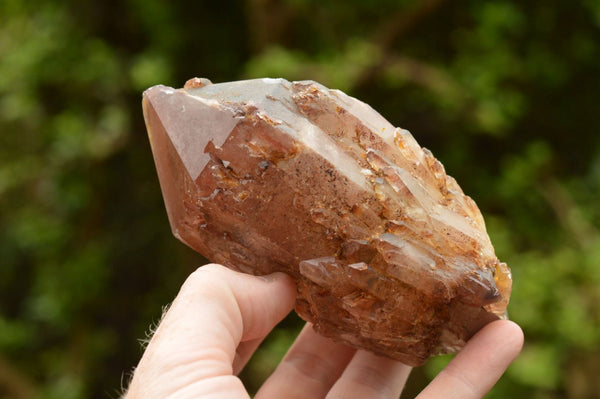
pixel 268 175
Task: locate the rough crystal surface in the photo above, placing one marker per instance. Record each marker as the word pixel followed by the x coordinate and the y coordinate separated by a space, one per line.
pixel 268 175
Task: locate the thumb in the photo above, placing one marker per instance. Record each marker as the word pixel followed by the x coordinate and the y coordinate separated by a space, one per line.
pixel 215 310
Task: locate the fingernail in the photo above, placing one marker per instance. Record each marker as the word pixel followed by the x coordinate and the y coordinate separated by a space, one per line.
pixel 270 277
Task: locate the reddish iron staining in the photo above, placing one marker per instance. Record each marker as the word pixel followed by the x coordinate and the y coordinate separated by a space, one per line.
pixel 388 253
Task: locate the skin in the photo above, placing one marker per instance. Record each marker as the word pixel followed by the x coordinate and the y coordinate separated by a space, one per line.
pixel 220 317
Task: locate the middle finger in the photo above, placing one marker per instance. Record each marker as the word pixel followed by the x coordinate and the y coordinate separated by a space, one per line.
pixel 371 376
pixel 309 369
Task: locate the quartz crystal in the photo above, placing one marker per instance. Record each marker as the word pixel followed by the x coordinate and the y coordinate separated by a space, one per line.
pixel 268 175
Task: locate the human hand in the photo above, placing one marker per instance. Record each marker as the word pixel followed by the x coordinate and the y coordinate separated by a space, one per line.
pixel 220 317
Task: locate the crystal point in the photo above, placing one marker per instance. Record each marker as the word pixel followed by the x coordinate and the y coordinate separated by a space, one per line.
pixel 268 175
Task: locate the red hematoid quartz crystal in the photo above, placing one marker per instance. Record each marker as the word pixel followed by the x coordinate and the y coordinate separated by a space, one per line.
pixel 268 175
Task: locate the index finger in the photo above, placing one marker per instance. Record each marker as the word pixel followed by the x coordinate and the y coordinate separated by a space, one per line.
pixel 479 365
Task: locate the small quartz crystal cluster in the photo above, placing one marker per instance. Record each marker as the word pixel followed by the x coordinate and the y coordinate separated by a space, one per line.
pixel 268 175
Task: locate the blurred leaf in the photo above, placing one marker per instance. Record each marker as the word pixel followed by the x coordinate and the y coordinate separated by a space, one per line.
pixel 539 366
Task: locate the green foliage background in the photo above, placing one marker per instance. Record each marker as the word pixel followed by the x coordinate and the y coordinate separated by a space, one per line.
pixel 506 93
